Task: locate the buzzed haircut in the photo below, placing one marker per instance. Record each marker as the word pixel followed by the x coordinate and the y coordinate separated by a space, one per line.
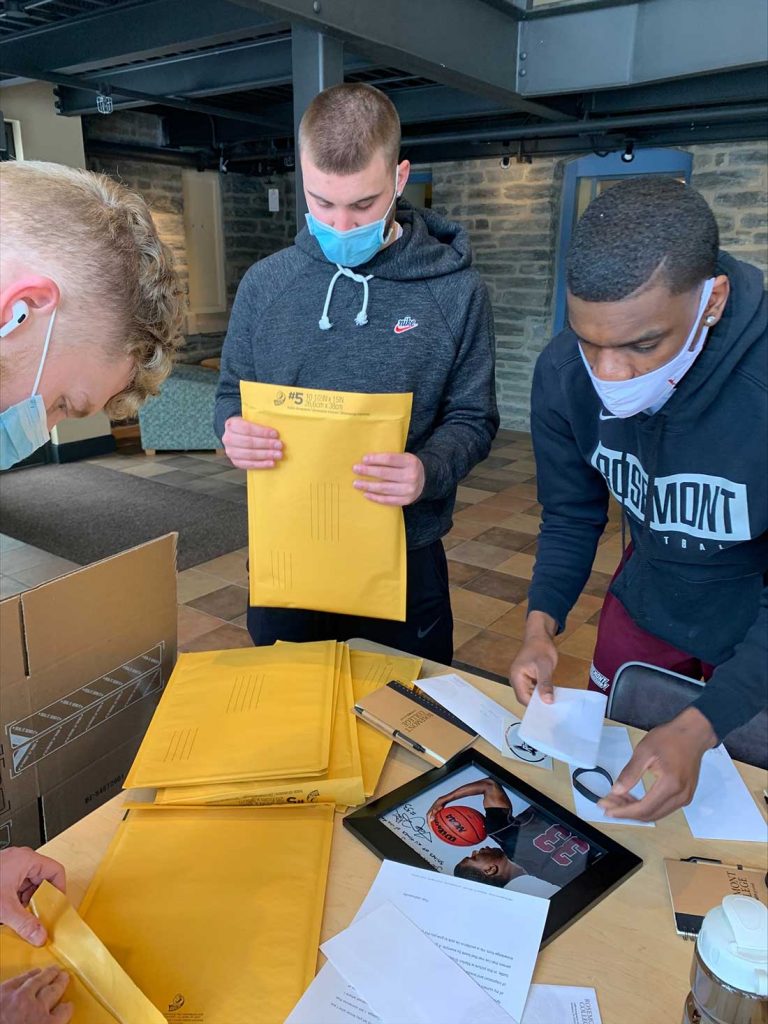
pixel 344 127
pixel 652 227
pixel 473 874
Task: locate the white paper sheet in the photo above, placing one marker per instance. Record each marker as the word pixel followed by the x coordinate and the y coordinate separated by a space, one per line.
pixel 492 934
pixel 722 806
pixel 561 1004
pixel 330 1000
pixel 569 729
pixel 481 713
pixel 404 977
pixel 614 753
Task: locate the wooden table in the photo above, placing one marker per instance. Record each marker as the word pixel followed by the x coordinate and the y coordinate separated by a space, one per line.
pixel 626 947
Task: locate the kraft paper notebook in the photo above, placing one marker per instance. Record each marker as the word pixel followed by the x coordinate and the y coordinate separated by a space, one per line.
pixel 370 670
pixel 99 989
pixel 695 887
pixel 215 912
pixel 342 784
pixel 229 716
pixel 416 722
pixel 314 540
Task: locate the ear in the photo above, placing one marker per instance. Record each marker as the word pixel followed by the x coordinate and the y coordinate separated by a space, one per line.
pixel 491 871
pixel 403 172
pixel 717 300
pixel 41 294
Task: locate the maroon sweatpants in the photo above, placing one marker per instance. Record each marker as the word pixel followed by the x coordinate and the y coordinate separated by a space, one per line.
pixel 620 639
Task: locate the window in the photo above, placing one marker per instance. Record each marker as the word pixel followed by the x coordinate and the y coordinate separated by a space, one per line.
pixel 589 176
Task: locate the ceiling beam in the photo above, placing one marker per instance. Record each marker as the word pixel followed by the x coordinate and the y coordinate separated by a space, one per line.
pixel 461 43
pixel 638 43
pixel 139 31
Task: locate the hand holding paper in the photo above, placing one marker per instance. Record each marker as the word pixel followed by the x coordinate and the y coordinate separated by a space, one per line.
pixel 569 728
pixel 672 753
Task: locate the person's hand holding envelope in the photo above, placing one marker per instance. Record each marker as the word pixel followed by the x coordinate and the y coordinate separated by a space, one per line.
pixel 398 477
pixel 312 542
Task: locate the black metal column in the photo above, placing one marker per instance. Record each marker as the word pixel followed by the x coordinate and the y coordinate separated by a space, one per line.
pixel 318 63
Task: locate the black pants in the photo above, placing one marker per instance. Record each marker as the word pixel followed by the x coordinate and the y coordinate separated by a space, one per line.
pixel 427 631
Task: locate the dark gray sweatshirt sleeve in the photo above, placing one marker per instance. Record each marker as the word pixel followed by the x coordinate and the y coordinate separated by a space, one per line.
pixel 574 500
pixel 738 689
pixel 468 417
pixel 236 354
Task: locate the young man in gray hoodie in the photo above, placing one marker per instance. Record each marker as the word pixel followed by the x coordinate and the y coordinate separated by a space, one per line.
pixel 374 296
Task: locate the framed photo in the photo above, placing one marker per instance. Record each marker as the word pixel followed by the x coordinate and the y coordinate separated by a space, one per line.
pixel 474 819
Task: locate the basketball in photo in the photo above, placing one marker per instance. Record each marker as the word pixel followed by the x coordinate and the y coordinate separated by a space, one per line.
pixel 458 825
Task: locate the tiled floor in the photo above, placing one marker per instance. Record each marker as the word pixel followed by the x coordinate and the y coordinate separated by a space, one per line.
pixel 491 550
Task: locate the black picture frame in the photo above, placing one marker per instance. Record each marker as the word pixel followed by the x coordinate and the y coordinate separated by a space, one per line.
pixel 612 865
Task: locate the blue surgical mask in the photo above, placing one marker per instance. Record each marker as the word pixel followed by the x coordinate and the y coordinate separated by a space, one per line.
pixel 353 247
pixel 24 426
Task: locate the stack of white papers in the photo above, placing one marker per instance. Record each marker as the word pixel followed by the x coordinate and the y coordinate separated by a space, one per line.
pixel 493 935
pixel 426 947
pixel 568 729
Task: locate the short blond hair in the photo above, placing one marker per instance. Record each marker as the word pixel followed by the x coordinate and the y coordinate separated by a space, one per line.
pixel 344 126
pixel 98 237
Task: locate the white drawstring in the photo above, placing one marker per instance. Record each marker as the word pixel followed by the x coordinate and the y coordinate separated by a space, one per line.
pixel 362 317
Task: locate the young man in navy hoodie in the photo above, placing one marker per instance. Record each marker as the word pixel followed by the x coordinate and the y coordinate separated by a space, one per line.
pixel 657 393
pixel 374 296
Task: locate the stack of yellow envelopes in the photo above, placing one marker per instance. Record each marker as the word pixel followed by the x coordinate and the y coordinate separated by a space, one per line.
pixel 215 912
pixel 356 751
pixel 235 716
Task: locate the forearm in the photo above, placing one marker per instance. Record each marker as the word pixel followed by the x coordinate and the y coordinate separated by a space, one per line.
pixel 738 689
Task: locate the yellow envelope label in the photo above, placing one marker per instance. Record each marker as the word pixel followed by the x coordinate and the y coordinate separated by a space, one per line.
pixel 216 912
pixel 228 716
pixel 314 541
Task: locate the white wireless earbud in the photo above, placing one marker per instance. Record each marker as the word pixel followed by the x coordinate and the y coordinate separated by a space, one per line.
pixel 19 313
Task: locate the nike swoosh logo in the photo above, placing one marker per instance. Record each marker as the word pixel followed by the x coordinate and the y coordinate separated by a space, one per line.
pixel 421 633
pixel 607 417
pixel 402 330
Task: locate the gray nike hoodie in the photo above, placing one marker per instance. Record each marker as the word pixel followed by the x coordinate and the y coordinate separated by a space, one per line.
pixel 414 318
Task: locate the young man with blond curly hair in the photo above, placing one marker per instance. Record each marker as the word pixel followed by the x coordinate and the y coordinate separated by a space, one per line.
pixel 90 305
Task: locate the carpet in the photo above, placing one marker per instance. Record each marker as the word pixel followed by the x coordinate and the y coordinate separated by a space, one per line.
pixel 85 513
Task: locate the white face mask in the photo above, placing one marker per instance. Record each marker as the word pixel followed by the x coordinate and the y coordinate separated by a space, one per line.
pixel 624 398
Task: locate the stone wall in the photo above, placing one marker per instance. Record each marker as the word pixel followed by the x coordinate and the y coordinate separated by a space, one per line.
pixel 513 218
pixel 512 215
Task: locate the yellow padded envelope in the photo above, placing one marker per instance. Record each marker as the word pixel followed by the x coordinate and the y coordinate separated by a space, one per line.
pixel 228 716
pixel 370 671
pixel 342 784
pixel 314 541
pixel 99 989
pixel 215 912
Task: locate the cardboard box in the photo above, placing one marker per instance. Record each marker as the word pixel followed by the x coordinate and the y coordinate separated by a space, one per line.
pixel 83 662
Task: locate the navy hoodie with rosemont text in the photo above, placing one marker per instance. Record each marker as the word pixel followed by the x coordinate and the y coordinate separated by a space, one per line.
pixel 421 323
pixel 698 570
